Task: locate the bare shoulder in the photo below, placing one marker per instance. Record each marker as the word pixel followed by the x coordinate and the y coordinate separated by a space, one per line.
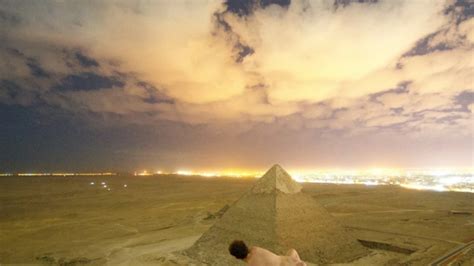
pixel 260 256
pixel 258 249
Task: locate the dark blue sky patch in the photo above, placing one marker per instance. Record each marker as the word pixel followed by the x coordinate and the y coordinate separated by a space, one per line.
pixel 422 46
pixel 9 19
pixel 344 3
pixel 155 99
pixel 147 86
pixel 33 140
pixel 10 87
pixel 466 8
pixel 242 51
pixel 86 61
pixel 155 96
pixel 88 81
pixel 36 69
pixel 221 23
pixel 18 116
pixel 17 95
pixel 243 8
pixel 464 99
pixel 402 87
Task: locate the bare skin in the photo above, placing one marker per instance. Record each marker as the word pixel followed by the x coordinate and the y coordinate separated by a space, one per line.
pixel 262 257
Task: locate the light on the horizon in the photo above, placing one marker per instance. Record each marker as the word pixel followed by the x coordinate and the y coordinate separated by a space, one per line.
pixel 59 174
pixel 461 180
pixel 143 173
pixel 184 172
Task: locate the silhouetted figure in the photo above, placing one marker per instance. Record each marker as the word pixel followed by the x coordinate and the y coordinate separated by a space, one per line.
pixel 262 257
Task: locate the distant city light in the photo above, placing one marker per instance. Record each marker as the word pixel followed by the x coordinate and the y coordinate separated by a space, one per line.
pixel 439 179
pixel 143 173
pixel 62 174
pixel 427 179
pixel 58 174
pixel 461 180
pixel 6 174
pixel 184 172
pixel 203 174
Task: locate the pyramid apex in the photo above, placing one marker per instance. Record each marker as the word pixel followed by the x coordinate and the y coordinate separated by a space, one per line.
pixel 277 166
pixel 276 178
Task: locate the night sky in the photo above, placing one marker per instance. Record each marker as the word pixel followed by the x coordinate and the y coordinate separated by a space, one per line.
pixel 127 85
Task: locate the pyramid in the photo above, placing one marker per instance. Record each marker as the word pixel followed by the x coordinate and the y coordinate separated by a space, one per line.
pixel 276 215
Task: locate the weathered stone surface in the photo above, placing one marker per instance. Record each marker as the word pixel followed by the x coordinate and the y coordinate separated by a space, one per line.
pixel 276 215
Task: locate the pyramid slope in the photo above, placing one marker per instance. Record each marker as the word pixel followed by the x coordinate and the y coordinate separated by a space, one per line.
pixel 250 218
pixel 277 221
pixel 303 224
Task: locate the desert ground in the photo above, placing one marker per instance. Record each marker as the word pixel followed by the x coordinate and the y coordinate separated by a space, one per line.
pixel 68 221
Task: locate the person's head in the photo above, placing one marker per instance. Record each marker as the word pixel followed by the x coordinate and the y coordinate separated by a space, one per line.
pixel 238 249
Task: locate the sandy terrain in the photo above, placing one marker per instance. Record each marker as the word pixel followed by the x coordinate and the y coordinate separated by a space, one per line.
pixel 65 220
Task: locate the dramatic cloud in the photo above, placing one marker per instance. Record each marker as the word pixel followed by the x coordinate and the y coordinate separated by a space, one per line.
pixel 230 69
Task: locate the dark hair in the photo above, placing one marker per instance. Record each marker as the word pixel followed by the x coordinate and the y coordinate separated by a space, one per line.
pixel 238 249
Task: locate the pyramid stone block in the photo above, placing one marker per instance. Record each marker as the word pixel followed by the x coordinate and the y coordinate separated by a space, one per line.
pixel 276 215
